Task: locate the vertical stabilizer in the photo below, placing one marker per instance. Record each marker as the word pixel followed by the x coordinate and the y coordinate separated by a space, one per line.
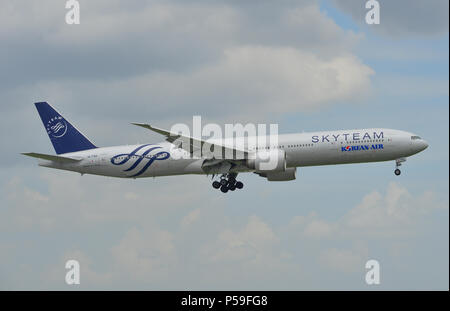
pixel 63 135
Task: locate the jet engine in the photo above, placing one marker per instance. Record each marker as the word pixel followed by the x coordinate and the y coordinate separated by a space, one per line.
pixel 288 174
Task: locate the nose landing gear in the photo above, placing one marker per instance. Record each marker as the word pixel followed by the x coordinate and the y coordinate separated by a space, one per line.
pixel 398 163
pixel 227 183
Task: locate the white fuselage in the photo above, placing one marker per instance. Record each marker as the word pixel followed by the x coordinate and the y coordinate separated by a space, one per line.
pixel 303 149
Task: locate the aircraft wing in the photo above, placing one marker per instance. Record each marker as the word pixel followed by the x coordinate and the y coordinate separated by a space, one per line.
pixel 194 145
pixel 50 157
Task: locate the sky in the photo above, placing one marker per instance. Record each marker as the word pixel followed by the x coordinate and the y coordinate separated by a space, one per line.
pixel 306 65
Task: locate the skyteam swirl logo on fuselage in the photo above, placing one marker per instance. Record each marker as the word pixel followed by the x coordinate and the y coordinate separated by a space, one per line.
pixel 123 158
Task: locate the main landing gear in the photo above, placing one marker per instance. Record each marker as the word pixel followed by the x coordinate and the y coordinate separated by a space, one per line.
pixel 398 163
pixel 227 182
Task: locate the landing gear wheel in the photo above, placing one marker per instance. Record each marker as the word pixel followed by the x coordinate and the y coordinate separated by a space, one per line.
pixel 227 182
pixel 398 163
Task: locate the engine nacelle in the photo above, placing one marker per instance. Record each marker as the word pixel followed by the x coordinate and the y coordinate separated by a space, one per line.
pixel 288 174
pixel 268 161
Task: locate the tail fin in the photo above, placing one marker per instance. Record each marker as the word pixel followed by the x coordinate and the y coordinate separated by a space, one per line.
pixel 63 135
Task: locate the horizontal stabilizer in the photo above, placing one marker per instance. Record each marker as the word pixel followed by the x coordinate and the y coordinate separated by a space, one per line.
pixel 50 157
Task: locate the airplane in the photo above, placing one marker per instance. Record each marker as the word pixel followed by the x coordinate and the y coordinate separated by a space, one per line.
pixel 176 155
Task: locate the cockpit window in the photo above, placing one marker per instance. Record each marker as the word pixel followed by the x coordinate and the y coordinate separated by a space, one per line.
pixel 415 137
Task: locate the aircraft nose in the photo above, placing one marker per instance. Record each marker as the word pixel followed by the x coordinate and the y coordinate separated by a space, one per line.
pixel 422 145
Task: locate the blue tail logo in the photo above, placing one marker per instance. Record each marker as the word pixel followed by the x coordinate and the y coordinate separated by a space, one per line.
pixel 123 158
pixel 63 135
pixel 56 127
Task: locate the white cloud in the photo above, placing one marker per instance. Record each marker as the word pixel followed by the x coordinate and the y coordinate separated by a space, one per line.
pixel 190 218
pixel 318 228
pixel 73 200
pixel 317 31
pixel 203 245
pixel 88 273
pixel 310 226
pixel 155 18
pixel 396 213
pixel 118 45
pixel 144 256
pixel 251 243
pixel 261 77
pixel 345 260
